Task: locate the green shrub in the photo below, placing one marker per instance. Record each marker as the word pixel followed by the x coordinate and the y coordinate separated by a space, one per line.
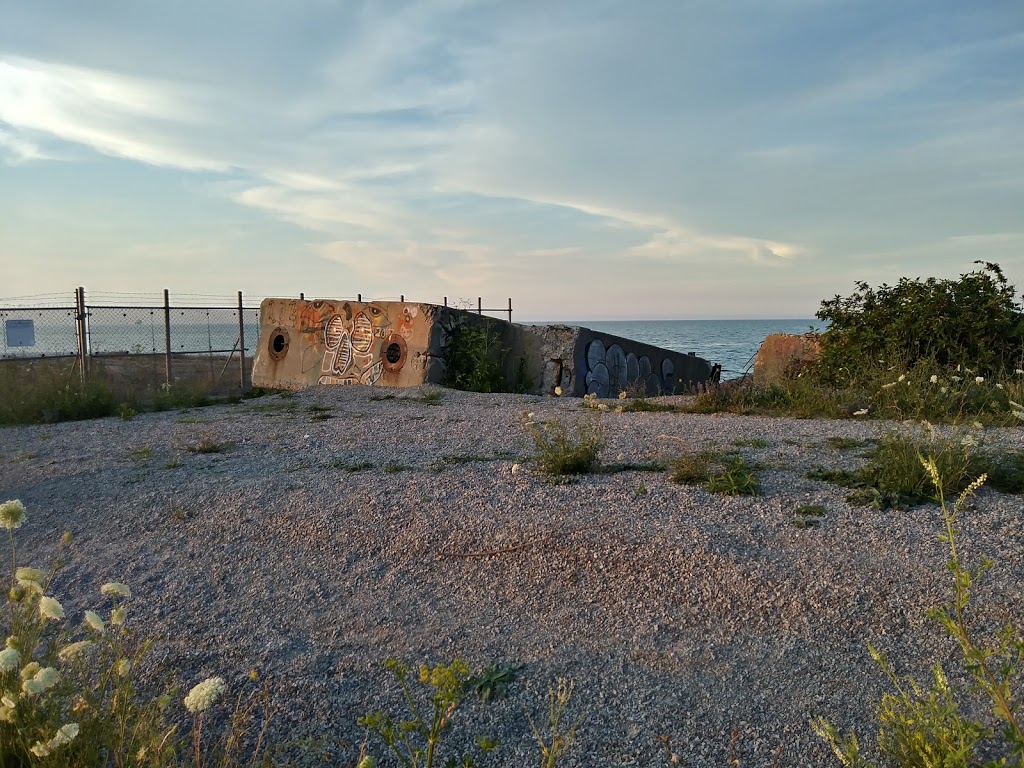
pixel 719 473
pixel 560 453
pixel 473 355
pixel 974 321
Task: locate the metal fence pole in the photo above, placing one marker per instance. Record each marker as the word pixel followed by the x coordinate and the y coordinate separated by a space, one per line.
pixel 167 337
pixel 510 309
pixel 80 329
pixel 241 345
pixel 479 305
pixel 446 301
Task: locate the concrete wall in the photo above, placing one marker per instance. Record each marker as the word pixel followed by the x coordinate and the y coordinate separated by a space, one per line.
pixel 304 343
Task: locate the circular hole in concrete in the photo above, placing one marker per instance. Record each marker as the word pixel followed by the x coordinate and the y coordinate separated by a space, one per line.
pixel 393 353
pixel 280 342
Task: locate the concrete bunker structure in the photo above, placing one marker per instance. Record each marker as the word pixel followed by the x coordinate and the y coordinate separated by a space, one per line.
pixel 402 344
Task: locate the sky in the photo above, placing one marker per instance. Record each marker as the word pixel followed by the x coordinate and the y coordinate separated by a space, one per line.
pixel 589 159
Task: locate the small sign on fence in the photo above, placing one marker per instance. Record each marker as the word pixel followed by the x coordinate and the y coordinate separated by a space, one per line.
pixel 20 333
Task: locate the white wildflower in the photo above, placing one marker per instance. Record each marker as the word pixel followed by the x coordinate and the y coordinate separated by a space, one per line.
pixel 29 670
pixel 118 616
pixel 49 608
pixel 1019 371
pixel 12 514
pixel 70 651
pixel 558 391
pixel 65 735
pixel 969 441
pixel 204 694
pixel 944 390
pixel 998 385
pixel 123 667
pixel 890 385
pixel 10 659
pixel 31 585
pixel 40 749
pixel 602 406
pixel 43 680
pixel 955 378
pixel 1019 414
pixel 1015 405
pixel 115 589
pixel 861 412
pixel 622 395
pixel 30 574
pixel 6 714
pixel 903 377
pixel 979 379
pixel 934 379
pixel 94 621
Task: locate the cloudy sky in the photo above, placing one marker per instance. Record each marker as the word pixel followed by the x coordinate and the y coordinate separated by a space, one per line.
pixel 591 159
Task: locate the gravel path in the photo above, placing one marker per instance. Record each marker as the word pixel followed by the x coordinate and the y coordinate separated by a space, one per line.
pixel 679 613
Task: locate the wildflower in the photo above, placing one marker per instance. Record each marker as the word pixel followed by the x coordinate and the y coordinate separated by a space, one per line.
pixel 1015 405
pixel 1019 371
pixel 515 468
pixel 890 385
pixel 65 735
pixel 94 621
pixel 619 409
pixel 969 441
pixel 602 407
pixel 12 514
pixel 9 660
pixel 622 395
pixel 6 713
pixel 204 694
pixel 620 457
pixel 998 385
pixel 1019 414
pixel 28 585
pixel 944 390
pixel 29 670
pixel 861 412
pixel 934 379
pixel 118 616
pixel 903 377
pixel 955 378
pixel 979 379
pixel 977 425
pixel 30 574
pixel 50 608
pixel 43 680
pixel 558 391
pixel 116 589
pixel 123 667
pixel 70 651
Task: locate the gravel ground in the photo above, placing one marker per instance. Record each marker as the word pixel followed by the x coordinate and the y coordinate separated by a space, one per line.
pixel 679 614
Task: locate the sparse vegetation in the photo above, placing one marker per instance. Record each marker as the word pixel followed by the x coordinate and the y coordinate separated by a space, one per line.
pixel 349 466
pixel 474 355
pixel 561 453
pixel 724 473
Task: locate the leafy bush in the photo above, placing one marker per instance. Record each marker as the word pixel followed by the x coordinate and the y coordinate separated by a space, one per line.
pixel 474 357
pixel 974 321
pixel 560 453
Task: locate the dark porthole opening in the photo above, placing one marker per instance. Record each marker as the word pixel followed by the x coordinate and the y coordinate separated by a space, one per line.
pixel 393 353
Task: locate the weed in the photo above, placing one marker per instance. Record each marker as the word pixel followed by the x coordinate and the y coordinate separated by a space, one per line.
pixel 493 682
pixel 633 466
pixel 847 443
pixel 347 466
pixel 174 463
pixel 429 398
pixel 376 397
pixel 641 490
pixel 126 412
pixel 474 356
pixel 557 740
pixel 321 416
pixel 206 445
pixel 25 456
pixel 921 726
pixel 272 407
pixel 560 453
pixel 717 472
pixel 416 742
pixel 144 453
pixel 642 405
pixel 392 469
pixel 808 515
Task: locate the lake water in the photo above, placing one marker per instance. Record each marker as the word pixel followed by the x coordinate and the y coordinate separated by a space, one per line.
pixel 730 343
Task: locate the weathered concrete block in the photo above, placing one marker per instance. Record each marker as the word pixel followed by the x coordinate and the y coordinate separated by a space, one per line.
pixel 398 344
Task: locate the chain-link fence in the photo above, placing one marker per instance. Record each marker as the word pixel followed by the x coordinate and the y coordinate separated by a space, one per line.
pixel 148 338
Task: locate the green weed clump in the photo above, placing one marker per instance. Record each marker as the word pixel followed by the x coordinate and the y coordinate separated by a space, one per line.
pixel 474 356
pixel 921 725
pixel 44 393
pixel 894 477
pixel 69 692
pixel 728 474
pixel 559 452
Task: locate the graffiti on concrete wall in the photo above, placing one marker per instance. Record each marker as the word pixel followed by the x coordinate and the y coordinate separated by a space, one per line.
pixel 611 370
pixel 362 341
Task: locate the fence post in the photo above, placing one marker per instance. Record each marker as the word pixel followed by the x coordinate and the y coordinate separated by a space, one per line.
pixel 241 344
pixel 302 296
pixel 402 297
pixel 167 337
pixel 359 298
pixel 80 329
pixel 479 305
pixel 510 309
pixel 446 301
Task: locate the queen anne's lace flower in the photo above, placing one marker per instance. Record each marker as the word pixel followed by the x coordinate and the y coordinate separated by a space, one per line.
pixel 204 694
pixel 94 621
pixel 118 616
pixel 49 608
pixel 30 573
pixel 123 667
pixel 65 735
pixel 43 680
pixel 116 589
pixel 70 651
pixel 934 379
pixel 9 660
pixel 12 514
pixel 979 379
